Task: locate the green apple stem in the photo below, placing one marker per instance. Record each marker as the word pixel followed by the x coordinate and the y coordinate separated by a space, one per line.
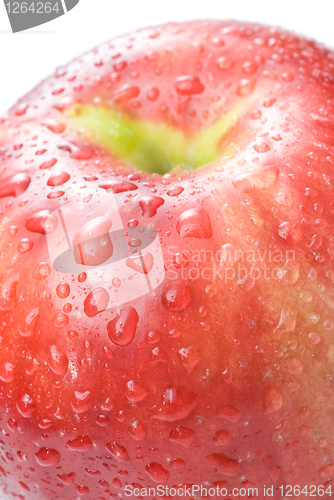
pixel 154 147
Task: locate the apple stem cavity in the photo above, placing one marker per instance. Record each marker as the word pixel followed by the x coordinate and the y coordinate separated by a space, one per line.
pixel 152 146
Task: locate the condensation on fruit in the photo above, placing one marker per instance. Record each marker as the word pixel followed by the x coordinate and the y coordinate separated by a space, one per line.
pixel 29 325
pixel 177 297
pixel 122 329
pixel 15 186
pixel 118 452
pixel 47 457
pixel 92 245
pixel 149 205
pixel 194 223
pixel 142 263
pixel 80 443
pixel 96 302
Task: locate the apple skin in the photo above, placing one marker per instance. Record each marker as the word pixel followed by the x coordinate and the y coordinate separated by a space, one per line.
pixel 213 377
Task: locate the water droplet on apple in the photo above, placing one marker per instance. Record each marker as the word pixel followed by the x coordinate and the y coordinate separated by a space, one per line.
pixel 42 222
pixel 125 93
pixel 25 245
pixel 137 430
pixel 12 230
pixel 327 472
pixel 15 186
pixel 289 273
pixel 188 85
pixel 246 87
pixel 45 423
pixel 273 471
pixel 102 420
pixel 224 63
pixel 82 490
pixel 224 464
pixel 58 179
pixel 25 406
pixel 80 443
pixel 108 405
pixel 72 334
pixel 63 290
pixel 21 109
pixel 189 356
pixel 135 392
pixel 250 67
pixel 116 483
pixel 178 403
pixel 48 164
pixel 30 323
pixel 153 94
pixel 272 399
pixel 121 416
pixel 55 194
pixel 158 355
pixel 58 361
pixel 287 322
pixel 60 320
pixel 150 204
pixel 82 277
pixel 118 186
pixel 7 372
pixel 177 463
pixel 47 457
pixel 67 479
pixel 92 243
pixel 122 329
pixel 134 242
pixel 153 337
pixel 142 263
pixel 41 271
pixel 132 223
pixel 229 413
pixel 222 438
pixel 88 348
pixel 103 484
pixel 290 232
pixel 175 191
pixel 261 147
pixel 194 223
pixel 8 284
pixel 156 472
pixel 316 241
pixel 116 282
pixel 82 401
pixel 12 425
pixel 180 260
pixel 53 125
pixel 182 435
pixel 96 302
pixel 118 452
pixel 177 297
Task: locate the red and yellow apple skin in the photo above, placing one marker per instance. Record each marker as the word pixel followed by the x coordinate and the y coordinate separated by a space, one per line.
pixel 219 136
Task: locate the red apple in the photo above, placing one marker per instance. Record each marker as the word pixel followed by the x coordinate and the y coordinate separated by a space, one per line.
pixel 167 275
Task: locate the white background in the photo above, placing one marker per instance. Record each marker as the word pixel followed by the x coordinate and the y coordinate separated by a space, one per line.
pixel 27 57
